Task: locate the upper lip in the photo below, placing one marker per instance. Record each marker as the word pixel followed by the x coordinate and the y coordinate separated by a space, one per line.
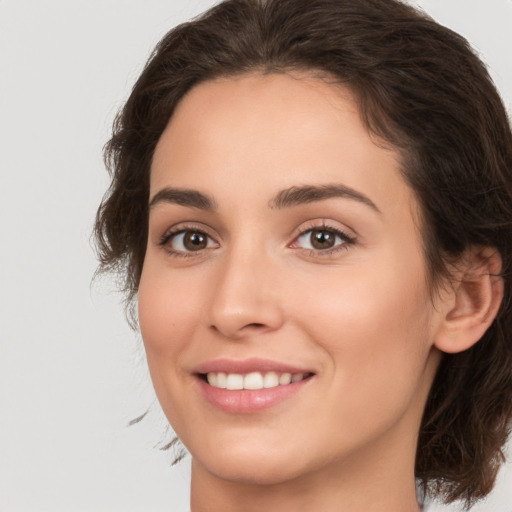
pixel 245 366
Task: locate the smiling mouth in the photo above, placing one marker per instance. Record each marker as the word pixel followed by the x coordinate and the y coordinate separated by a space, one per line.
pixel 252 380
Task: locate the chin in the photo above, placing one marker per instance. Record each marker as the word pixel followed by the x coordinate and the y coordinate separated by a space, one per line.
pixel 264 471
pixel 247 463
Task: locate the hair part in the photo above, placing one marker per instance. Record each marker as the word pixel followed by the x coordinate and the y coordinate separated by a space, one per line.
pixel 420 88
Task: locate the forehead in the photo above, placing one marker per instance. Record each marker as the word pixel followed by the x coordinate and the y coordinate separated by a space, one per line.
pixel 272 132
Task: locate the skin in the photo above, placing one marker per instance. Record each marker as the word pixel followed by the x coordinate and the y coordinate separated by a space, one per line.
pixel 361 318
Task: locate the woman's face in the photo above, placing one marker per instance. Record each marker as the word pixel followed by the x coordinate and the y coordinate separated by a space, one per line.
pixel 284 244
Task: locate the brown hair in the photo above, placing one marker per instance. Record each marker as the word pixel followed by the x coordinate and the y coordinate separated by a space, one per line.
pixel 419 87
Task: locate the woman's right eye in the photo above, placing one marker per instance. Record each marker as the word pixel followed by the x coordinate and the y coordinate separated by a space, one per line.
pixel 187 241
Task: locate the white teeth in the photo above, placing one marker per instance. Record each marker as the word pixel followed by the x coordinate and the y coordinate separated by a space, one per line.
pixel 217 380
pixel 253 380
pixel 235 381
pixel 285 378
pixel 222 380
pixel 271 380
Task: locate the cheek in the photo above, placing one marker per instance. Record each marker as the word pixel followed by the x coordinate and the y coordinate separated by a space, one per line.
pixel 349 303
pixel 375 328
pixel 169 309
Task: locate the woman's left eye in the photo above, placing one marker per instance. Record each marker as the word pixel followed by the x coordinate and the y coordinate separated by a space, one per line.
pixel 322 239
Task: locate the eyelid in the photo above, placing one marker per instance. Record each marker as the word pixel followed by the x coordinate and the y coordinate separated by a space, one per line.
pixel 185 226
pixel 328 225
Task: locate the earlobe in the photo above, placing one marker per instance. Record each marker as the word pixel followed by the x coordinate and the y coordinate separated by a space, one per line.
pixel 472 301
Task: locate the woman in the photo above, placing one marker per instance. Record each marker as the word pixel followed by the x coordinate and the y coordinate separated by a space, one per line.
pixel 311 202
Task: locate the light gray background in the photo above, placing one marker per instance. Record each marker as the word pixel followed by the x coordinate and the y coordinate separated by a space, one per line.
pixel 72 373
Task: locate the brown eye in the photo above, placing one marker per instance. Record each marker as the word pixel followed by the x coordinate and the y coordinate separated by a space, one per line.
pixel 195 241
pixel 188 241
pixel 322 239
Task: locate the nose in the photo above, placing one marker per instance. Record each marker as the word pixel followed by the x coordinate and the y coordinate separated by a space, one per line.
pixel 245 301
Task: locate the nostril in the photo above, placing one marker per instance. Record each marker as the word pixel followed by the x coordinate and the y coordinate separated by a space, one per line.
pixel 255 325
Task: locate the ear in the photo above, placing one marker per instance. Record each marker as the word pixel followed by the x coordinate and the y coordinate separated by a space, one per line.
pixel 470 302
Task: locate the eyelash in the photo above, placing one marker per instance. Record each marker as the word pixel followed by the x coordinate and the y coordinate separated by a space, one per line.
pixel 347 240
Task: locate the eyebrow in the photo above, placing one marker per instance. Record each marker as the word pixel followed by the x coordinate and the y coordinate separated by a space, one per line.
pixel 294 196
pixel 183 197
pixel 286 198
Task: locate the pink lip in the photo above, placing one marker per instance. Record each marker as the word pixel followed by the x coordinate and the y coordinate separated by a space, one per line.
pixel 246 401
pixel 248 365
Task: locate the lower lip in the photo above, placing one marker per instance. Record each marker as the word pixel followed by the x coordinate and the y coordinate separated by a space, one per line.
pixel 248 401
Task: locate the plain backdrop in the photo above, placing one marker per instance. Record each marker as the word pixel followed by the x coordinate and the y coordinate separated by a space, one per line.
pixel 72 374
